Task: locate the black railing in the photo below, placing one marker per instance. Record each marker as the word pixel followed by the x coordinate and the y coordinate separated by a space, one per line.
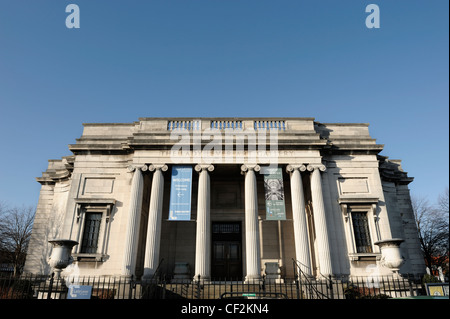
pixel 300 287
pixel 308 288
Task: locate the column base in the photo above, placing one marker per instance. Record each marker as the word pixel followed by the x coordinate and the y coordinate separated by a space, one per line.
pixel 202 279
pixel 252 279
pixel 274 280
pixel 148 277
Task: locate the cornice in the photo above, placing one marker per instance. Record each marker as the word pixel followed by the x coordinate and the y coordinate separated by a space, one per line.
pixel 391 171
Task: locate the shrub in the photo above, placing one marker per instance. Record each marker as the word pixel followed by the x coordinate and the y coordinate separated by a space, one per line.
pixel 427 279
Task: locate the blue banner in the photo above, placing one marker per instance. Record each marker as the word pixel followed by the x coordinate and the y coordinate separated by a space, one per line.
pixel 180 193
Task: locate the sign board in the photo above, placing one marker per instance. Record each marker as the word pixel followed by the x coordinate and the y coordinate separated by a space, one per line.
pixel 274 194
pixel 437 289
pixel 180 193
pixel 79 292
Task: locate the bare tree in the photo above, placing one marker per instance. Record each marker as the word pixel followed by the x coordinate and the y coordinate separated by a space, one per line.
pixel 443 201
pixel 15 231
pixel 3 210
pixel 432 224
pixel 443 204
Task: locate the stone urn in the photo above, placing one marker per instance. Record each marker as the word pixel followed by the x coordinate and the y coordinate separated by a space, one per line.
pixel 391 256
pixel 61 255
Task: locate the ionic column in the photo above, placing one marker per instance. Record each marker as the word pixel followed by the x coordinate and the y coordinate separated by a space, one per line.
pixel 301 238
pixel 134 216
pixel 152 245
pixel 203 238
pixel 320 221
pixel 253 254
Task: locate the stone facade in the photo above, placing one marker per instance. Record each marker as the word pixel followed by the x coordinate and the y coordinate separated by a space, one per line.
pixel 341 199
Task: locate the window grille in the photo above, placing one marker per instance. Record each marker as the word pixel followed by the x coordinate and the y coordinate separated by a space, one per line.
pixel 91 233
pixel 226 228
pixel 361 231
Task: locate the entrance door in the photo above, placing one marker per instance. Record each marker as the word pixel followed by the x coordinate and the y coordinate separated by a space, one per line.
pixel 226 251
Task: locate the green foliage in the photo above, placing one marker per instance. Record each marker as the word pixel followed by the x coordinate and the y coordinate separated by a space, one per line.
pixel 427 279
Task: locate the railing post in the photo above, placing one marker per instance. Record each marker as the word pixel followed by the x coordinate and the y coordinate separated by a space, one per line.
pixel 410 283
pixel 297 287
pixel 130 283
pixel 197 295
pixel 163 293
pixel 50 286
pixel 331 286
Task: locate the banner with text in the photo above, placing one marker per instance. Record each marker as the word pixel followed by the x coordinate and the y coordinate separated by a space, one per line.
pixel 273 184
pixel 180 193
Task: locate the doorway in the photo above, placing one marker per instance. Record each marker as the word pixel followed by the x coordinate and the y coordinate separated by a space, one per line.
pixel 226 251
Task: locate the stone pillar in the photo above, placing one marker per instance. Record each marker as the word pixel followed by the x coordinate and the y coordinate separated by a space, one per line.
pixel 152 245
pixel 203 237
pixel 253 254
pixel 301 238
pixel 320 221
pixel 134 216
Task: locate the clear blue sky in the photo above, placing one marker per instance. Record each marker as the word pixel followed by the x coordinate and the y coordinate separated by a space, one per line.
pixel 134 59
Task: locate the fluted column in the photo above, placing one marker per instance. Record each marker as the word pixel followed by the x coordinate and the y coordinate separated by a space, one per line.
pixel 203 238
pixel 252 245
pixel 152 245
pixel 320 221
pixel 301 238
pixel 134 216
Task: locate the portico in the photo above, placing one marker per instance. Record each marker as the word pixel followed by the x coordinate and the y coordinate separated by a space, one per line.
pixel 246 212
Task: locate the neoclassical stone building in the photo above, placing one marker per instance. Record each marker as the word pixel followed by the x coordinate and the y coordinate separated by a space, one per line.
pixel 227 197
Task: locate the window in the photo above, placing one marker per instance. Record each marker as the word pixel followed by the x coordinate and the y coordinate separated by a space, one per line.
pixel 361 227
pixel 361 232
pixel 92 226
pixel 89 243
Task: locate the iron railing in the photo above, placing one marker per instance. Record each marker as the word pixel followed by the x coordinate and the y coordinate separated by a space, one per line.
pixel 336 287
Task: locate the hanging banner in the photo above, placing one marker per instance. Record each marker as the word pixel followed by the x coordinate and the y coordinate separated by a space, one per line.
pixel 273 184
pixel 180 193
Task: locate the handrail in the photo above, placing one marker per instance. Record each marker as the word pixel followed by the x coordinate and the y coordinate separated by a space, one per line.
pixel 310 284
pixel 157 269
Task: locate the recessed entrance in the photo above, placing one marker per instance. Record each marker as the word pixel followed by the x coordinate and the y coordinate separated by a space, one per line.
pixel 226 251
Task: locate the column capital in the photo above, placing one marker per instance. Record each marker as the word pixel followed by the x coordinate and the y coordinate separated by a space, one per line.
pixel 204 167
pixel 312 167
pixel 154 167
pixel 132 168
pixel 292 167
pixel 249 167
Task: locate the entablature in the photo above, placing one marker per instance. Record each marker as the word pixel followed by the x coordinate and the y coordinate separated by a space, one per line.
pixel 165 133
